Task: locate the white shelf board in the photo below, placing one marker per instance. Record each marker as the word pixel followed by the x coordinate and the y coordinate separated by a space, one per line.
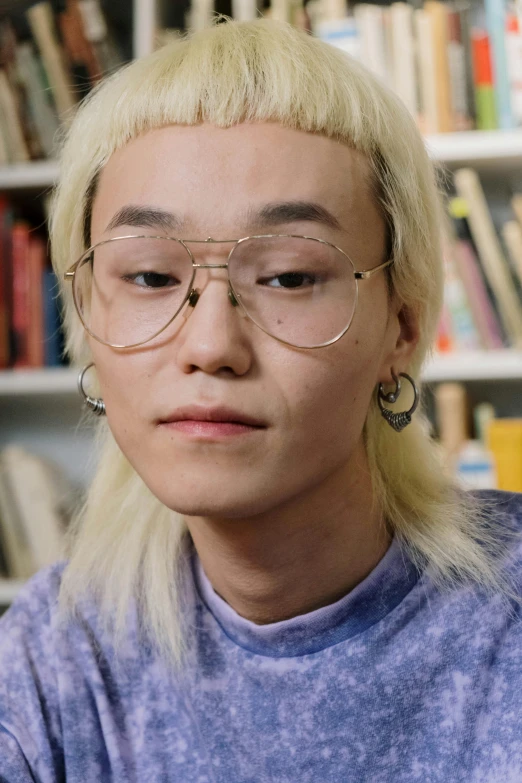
pixel 471 366
pixel 491 148
pixel 34 174
pixel 52 380
pixel 478 147
pixel 475 366
pixel 9 588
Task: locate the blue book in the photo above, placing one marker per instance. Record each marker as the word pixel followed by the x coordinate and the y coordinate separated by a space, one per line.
pixel 53 333
pixel 496 25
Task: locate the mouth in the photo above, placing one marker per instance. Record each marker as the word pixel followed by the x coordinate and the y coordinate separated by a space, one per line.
pixel 201 422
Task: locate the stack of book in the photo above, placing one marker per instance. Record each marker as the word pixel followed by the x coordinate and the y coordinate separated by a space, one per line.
pixel 30 311
pixel 483 292
pixel 48 61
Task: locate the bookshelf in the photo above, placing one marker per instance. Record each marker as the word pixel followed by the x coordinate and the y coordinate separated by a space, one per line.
pixel 41 409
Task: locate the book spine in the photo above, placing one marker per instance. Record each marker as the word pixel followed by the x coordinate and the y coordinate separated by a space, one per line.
pixel 496 25
pixel 513 43
pixel 53 336
pixel 429 119
pixel 457 66
pixel 41 20
pixel 35 331
pixel 21 292
pixel 485 104
pixel 439 12
pixel 404 70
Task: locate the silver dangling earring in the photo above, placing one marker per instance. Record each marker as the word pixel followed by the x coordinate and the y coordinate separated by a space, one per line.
pixel 398 420
pixel 96 405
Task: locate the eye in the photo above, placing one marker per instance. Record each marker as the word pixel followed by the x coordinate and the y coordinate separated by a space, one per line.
pixel 289 280
pixel 151 280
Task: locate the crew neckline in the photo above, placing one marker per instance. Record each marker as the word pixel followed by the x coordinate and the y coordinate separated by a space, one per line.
pixel 370 601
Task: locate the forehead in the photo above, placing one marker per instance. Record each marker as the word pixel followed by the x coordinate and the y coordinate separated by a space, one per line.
pixel 209 175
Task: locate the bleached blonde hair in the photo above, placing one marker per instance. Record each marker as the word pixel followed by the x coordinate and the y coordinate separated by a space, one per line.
pixel 124 545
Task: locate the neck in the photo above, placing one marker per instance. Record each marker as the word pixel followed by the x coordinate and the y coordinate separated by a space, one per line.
pixel 303 555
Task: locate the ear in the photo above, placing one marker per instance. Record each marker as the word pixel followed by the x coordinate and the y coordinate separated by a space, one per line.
pixel 401 340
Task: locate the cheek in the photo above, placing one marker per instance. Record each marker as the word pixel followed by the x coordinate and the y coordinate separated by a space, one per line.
pixel 331 398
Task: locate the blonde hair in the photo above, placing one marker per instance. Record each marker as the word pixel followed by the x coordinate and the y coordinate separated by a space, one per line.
pixel 125 546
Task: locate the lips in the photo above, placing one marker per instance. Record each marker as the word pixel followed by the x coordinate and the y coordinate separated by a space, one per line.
pixel 215 414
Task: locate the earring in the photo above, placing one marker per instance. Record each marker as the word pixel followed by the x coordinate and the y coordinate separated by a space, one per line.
pixel 398 420
pixel 96 405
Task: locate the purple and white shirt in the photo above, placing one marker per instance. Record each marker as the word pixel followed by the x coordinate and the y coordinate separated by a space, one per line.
pixel 395 682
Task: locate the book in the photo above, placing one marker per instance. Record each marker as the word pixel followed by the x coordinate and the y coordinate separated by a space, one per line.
pixel 439 20
pixel 512 236
pixel 39 101
pixel 21 292
pixel 485 105
pixel 43 28
pixel 495 266
pixel 36 261
pixel 403 63
pixel 496 27
pixel 429 110
pixel 15 547
pixel 513 42
pixel 54 338
pixel 43 501
pixel 370 24
pixel 458 74
pixel 12 130
pixel 469 269
pixel 84 65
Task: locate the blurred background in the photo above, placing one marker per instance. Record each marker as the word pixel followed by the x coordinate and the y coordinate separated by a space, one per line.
pixel 457 65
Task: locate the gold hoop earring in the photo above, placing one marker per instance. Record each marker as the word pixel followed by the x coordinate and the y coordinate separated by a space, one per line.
pixel 95 404
pixel 398 420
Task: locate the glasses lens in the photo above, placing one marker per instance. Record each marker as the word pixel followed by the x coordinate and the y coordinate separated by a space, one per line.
pixel 128 289
pixel 299 290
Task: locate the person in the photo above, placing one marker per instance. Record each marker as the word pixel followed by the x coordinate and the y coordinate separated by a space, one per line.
pixel 272 576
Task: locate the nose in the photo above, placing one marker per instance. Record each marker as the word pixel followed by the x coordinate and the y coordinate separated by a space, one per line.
pixel 213 336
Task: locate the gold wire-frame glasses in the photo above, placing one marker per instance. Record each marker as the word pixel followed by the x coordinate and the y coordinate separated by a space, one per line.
pixel 192 294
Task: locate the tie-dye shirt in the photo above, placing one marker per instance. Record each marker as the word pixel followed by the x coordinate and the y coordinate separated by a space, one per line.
pixel 397 681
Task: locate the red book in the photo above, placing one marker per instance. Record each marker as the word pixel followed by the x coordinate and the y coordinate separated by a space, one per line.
pixel 5 284
pixel 21 292
pixel 35 333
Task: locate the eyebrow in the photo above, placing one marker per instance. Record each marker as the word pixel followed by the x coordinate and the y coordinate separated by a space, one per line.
pixel 255 218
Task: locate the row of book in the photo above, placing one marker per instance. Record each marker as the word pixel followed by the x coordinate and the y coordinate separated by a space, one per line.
pixel 483 292
pixel 457 65
pixel 31 333
pixel 48 61
pixel 483 266
pixel 483 449
pixel 36 504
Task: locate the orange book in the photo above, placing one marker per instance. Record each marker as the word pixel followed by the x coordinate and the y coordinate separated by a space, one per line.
pixel 35 328
pixel 5 284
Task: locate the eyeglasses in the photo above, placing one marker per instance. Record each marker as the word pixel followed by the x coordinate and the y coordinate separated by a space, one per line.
pixel 300 290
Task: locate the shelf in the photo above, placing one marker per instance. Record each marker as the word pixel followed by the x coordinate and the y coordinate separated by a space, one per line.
pixel 475 366
pixel 9 588
pixel 479 148
pixel 35 174
pixel 52 380
pixel 472 366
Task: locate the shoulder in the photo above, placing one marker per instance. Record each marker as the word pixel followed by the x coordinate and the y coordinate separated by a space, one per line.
pixel 34 603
